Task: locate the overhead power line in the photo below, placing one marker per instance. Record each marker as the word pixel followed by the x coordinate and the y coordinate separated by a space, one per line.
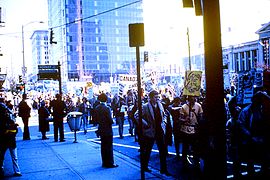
pixel 104 12
pixel 98 14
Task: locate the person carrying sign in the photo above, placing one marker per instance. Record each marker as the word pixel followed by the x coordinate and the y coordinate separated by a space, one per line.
pixel 190 115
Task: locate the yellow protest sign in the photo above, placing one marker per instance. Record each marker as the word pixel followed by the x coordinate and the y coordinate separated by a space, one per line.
pixel 89 84
pixel 192 83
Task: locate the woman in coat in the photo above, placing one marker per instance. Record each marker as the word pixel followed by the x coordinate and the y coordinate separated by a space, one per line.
pixel 43 114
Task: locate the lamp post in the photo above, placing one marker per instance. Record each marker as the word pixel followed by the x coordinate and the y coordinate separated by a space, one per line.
pixel 24 69
pixel 111 77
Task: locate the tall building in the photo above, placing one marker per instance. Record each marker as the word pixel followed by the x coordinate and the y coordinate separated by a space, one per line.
pixel 40 52
pixel 92 38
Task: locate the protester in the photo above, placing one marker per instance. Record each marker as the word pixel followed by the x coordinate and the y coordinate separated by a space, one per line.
pixel 59 111
pixel 130 102
pixel 190 115
pixel 168 135
pixel 24 113
pixel 154 129
pixel 232 136
pixel 254 134
pixel 84 108
pixel 43 115
pixel 105 132
pixel 117 105
pixel 93 111
pixel 175 112
pixel 70 104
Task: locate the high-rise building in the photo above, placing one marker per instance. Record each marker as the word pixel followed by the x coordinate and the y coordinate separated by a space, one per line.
pixel 92 37
pixel 40 51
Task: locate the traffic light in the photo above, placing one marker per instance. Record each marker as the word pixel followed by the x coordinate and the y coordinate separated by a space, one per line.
pixel 187 3
pixel 192 3
pixel 145 56
pixel 20 79
pixel 52 37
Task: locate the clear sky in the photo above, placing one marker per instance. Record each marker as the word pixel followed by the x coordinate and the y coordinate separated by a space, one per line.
pixel 166 24
pixel 15 14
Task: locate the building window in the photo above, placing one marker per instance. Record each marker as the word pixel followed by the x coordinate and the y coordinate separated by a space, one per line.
pixel 242 65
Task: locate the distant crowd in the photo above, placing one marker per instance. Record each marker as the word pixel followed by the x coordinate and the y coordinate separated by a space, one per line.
pixel 166 119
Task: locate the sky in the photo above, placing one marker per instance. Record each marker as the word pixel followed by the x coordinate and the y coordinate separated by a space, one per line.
pixel 18 13
pixel 166 23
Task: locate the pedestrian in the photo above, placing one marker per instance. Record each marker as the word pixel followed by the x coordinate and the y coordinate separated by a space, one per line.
pixel 154 121
pixel 8 131
pixel 84 108
pixel 93 112
pixel 25 113
pixel 70 104
pixel 43 115
pixel 168 135
pixel 135 122
pixel 190 115
pixel 59 111
pixel 232 136
pixel 130 102
pixel 117 105
pixel 254 134
pixel 105 132
pixel 174 109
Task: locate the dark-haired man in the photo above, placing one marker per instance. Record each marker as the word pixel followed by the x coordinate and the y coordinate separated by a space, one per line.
pixel 154 121
pixel 24 113
pixel 59 111
pixel 105 132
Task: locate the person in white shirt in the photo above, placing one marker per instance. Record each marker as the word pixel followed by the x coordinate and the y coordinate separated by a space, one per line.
pixel 190 114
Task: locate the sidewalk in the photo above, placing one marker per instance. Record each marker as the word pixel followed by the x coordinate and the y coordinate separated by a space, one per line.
pixel 46 159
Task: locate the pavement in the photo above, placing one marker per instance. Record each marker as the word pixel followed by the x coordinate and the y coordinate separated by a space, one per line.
pixel 46 159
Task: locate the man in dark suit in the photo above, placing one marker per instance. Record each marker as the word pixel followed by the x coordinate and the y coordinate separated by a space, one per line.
pixel 25 113
pixel 105 132
pixel 59 111
pixel 153 130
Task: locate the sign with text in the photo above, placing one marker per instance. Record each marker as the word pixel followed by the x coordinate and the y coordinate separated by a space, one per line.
pixel 127 78
pixel 48 72
pixel 192 83
pixel 114 89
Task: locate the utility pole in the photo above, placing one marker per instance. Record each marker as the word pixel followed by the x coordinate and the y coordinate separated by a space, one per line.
pixel 189 59
pixel 23 68
pixel 136 39
pixel 215 162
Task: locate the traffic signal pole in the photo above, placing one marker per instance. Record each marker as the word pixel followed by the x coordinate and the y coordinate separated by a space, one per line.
pixel 59 78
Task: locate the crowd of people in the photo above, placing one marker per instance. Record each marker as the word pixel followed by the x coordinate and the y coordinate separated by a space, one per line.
pixel 166 121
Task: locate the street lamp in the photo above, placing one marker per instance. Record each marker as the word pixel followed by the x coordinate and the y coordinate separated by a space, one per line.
pixel 24 69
